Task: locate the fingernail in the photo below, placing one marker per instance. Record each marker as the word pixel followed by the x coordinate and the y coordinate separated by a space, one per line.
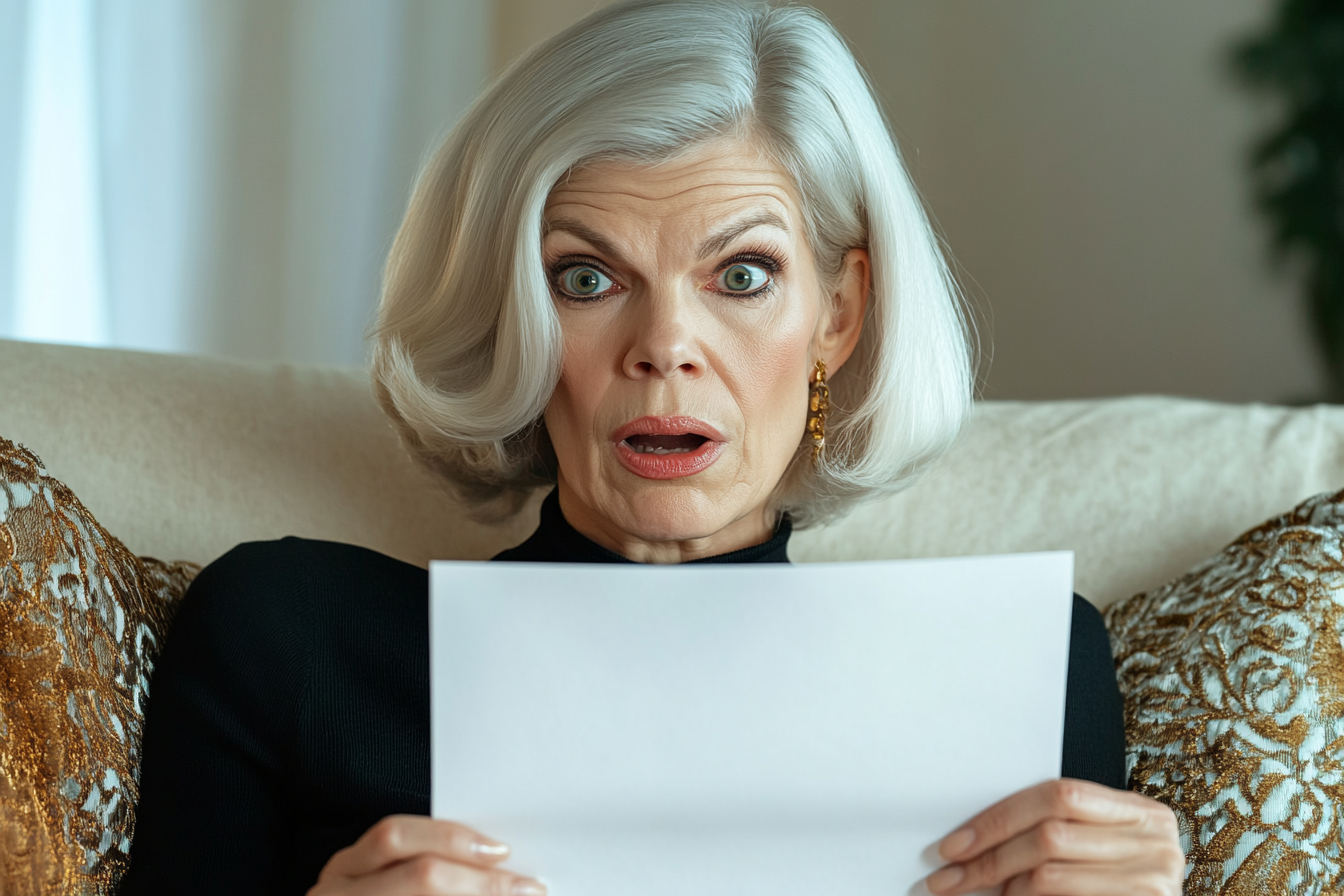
pixel 486 848
pixel 946 878
pixel 524 887
pixel 956 843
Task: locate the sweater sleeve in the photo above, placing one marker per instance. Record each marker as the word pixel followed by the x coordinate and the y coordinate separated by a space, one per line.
pixel 230 684
pixel 1094 724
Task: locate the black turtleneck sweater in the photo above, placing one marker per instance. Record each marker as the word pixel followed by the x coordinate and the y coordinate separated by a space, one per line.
pixel 290 709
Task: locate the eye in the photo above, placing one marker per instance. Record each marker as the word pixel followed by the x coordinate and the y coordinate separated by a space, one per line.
pixel 583 282
pixel 743 278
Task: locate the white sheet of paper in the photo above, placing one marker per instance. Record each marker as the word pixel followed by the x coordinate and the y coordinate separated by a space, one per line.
pixel 774 729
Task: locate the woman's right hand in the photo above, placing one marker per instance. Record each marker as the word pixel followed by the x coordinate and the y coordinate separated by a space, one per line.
pixel 411 855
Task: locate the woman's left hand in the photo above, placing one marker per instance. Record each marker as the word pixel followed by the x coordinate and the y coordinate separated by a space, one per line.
pixel 1065 838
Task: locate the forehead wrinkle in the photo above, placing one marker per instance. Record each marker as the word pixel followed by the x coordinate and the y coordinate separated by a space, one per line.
pixel 779 216
pixel 768 188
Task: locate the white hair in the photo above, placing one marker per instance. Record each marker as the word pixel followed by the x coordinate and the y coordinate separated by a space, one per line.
pixel 467 350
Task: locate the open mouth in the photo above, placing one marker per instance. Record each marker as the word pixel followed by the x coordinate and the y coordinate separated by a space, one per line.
pixel 667 447
pixel 681 443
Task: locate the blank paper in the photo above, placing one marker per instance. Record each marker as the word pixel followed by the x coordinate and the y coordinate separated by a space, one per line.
pixel 727 729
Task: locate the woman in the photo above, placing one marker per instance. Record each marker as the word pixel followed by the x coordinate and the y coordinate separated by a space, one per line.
pixel 634 271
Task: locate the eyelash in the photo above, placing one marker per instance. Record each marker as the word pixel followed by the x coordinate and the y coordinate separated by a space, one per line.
pixel 761 256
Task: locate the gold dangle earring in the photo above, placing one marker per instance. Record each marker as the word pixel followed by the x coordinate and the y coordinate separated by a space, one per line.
pixel 817 406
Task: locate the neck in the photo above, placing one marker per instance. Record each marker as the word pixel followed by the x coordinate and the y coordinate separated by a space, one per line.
pixel 753 528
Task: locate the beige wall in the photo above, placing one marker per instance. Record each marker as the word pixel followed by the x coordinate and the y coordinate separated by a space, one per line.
pixel 520 24
pixel 1084 162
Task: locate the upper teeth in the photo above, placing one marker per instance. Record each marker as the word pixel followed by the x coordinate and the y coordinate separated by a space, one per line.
pixel 648 449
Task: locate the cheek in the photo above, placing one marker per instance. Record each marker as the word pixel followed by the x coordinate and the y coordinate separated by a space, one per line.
pixel 570 413
pixel 772 388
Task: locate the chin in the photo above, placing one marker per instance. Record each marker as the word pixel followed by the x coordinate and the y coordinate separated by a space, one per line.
pixel 677 512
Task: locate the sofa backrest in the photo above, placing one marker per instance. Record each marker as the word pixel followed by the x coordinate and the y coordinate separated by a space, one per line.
pixel 184 457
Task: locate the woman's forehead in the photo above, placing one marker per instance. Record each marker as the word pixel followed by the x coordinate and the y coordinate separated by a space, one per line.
pixel 724 179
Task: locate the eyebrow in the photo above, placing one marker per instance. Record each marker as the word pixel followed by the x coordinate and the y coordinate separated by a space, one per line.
pixel 583 232
pixel 717 242
pixel 712 245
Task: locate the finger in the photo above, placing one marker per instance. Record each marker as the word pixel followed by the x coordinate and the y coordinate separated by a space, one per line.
pixel 399 837
pixel 427 875
pixel 1054 840
pixel 1065 798
pixel 1059 879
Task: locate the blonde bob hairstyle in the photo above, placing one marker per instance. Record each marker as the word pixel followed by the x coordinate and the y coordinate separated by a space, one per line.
pixel 467 340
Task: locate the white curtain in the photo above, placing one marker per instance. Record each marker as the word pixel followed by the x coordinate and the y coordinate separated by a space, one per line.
pixel 217 176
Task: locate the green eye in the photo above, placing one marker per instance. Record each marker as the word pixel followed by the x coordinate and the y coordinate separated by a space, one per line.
pixel 582 282
pixel 743 278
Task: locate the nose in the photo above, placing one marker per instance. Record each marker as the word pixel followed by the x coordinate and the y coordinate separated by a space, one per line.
pixel 666 342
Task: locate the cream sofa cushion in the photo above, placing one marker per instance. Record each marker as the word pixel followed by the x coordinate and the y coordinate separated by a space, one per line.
pixel 184 457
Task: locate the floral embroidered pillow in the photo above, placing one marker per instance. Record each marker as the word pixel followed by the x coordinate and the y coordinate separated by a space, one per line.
pixel 1233 679
pixel 82 620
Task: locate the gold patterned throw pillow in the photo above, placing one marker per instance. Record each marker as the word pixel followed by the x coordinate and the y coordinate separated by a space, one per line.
pixel 1233 678
pixel 81 623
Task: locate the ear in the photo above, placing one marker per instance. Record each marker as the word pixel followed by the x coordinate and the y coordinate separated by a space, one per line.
pixel 838 335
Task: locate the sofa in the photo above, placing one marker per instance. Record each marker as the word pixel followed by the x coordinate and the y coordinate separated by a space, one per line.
pixel 181 458
pixel 184 457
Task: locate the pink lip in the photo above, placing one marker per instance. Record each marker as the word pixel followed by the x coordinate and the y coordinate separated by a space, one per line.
pixel 668 466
